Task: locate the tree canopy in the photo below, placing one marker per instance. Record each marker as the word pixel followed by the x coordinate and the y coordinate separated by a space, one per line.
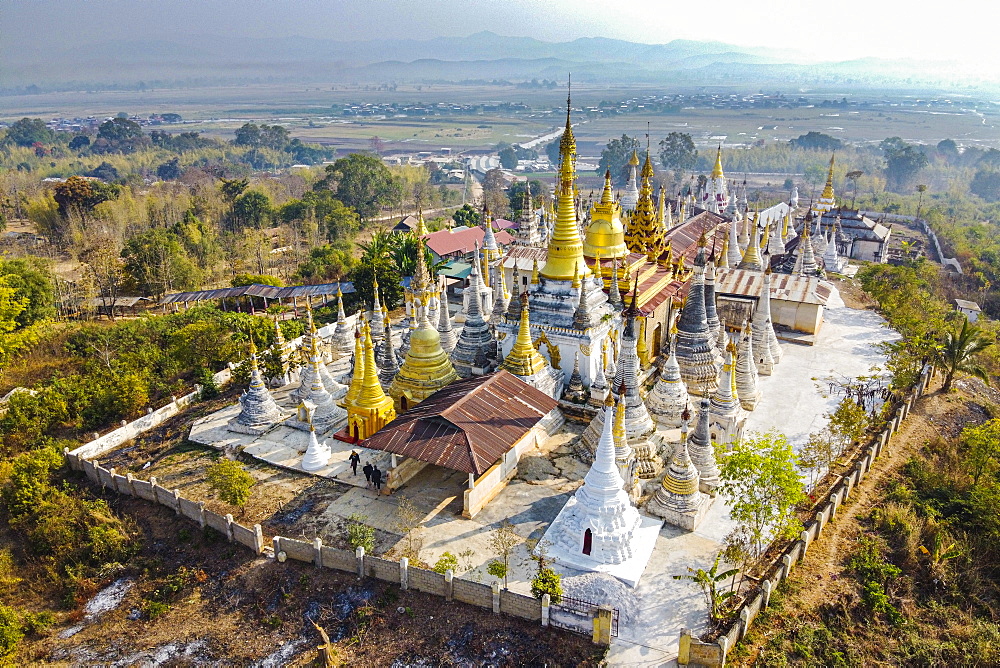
pixel 817 141
pixel 677 151
pixel 361 181
pixel 615 157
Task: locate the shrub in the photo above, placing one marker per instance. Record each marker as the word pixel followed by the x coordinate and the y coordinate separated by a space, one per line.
pixel 209 388
pixel 547 582
pixel 497 569
pixel 360 534
pixel 875 575
pixel 446 562
pixel 230 481
pixel 11 631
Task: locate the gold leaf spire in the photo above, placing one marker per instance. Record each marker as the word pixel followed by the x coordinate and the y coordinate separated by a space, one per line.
pixel 523 359
pixel 354 389
pixel 565 248
pixel 717 169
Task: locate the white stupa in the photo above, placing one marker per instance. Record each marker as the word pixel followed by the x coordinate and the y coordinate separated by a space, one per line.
pixel 599 529
pixel 317 454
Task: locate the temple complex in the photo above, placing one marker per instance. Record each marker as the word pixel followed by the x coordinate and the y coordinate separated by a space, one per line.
pixel 826 201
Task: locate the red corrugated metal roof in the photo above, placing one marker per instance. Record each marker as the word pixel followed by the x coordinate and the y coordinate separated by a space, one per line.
pixel 467 426
pixel 446 242
pixel 684 238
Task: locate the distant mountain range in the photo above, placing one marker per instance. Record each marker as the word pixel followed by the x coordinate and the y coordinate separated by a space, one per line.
pixel 484 55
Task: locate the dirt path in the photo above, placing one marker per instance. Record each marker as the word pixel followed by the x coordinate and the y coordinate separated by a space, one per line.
pixel 817 580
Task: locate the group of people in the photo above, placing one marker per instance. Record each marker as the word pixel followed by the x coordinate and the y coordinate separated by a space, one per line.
pixel 373 474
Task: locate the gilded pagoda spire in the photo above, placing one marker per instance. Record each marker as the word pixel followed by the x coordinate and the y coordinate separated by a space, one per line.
pixel 427 367
pixel 357 376
pixel 717 169
pixel 565 247
pixel 372 410
pixel 606 232
pixel 751 256
pixel 641 235
pixel 523 359
pixel 421 230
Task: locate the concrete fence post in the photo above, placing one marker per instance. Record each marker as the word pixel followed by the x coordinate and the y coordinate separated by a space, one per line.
pixel 177 501
pixel 496 597
pixel 786 566
pixel 602 625
pixel 744 622
pixel 128 483
pixel 318 551
pixel 804 537
pixel 229 527
pixel 359 554
pixel 404 573
pixel 152 480
pixel 723 643
pixel 258 535
pixel 201 516
pixel 112 471
pixel 546 602
pixel 449 585
pixel 278 554
pixel 684 648
pixel 765 589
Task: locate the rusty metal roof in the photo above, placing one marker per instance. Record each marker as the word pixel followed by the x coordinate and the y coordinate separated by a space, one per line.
pixel 468 425
pixel 258 290
pixel 684 237
pixel 750 283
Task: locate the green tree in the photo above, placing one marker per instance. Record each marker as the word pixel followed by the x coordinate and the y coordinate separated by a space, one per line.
pixel 982 446
pixel 27 132
pixel 948 149
pixel 552 150
pixel 848 422
pixel 677 152
pixel 762 486
pixel 389 282
pixel 467 216
pixel 255 279
pixel 853 176
pixel 903 162
pixel 502 541
pixel 80 195
pixel 11 631
pixel 817 141
pixel 362 182
pixel 547 581
pixel 958 352
pixel 251 209
pixel 231 482
pixel 709 581
pixel 32 284
pixel 515 194
pixel 119 135
pixel 986 184
pixel 327 263
pixel 447 561
pixel 157 263
pixel 615 157
pixel 508 157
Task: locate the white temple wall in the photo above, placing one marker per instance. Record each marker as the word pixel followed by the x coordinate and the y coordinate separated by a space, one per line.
pixel 799 316
pixel 490 483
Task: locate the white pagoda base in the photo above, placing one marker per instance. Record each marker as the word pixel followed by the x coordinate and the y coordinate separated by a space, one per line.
pixel 567 522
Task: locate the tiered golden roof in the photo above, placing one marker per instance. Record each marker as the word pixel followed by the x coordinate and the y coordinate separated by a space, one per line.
pixel 642 233
pixel 565 256
pixel 426 369
pixel 372 410
pixel 828 188
pixel 606 232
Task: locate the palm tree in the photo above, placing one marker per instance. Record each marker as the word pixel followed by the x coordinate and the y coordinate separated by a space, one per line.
pixel 958 351
pixel 709 581
pixel 920 203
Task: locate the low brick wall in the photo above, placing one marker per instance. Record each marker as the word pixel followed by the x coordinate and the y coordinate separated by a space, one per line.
pixel 473 593
pixel 428 581
pixel 341 560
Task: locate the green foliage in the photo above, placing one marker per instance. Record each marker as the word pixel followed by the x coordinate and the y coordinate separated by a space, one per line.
pixel 986 184
pixel 677 151
pixel 363 183
pixel 327 263
pixel 467 216
pixel 27 132
pixel 255 279
pixel 763 488
pixel 360 534
pixel 11 631
pixel 446 562
pixel 516 194
pixel 982 449
pixel 958 352
pixel 710 581
pixel 157 263
pixel 876 576
pixel 230 481
pixel 903 162
pixel 251 209
pixel 119 135
pixel 497 569
pixel 817 141
pixel 31 281
pixel 615 157
pixel 206 379
pixel 547 581
pixel 390 285
pixel 849 421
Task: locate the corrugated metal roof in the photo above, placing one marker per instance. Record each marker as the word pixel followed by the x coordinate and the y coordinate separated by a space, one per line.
pixel 467 426
pixel 750 283
pixel 257 290
pixel 684 238
pixel 459 240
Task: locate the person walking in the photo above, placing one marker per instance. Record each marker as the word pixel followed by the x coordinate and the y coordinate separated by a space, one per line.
pixel 354 459
pixel 377 478
pixel 368 470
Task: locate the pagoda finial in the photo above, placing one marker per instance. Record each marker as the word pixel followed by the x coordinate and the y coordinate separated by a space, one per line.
pixel 606 197
pixel 717 170
pixel 534 272
pixel 421 226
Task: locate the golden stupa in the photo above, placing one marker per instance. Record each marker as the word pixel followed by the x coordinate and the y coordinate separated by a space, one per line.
pixel 565 256
pixel 606 232
pixel 372 410
pixel 426 369
pixel 523 359
pixel 357 377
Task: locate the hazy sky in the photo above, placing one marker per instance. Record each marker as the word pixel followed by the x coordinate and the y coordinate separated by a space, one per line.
pixel 960 30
